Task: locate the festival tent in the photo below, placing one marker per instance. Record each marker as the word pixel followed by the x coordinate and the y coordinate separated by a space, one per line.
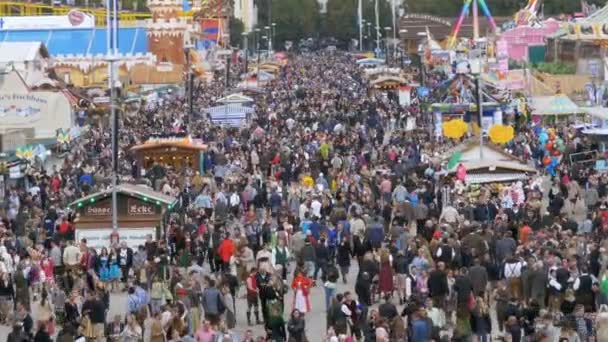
pixel 555 105
pixel 237 98
pixel 233 115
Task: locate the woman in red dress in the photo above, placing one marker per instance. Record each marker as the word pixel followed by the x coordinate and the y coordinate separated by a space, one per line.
pixel 385 281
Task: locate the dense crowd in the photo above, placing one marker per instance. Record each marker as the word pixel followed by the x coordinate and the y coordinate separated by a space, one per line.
pixel 323 179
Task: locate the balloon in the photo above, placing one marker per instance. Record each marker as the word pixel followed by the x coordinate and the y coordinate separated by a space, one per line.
pixel 554 161
pixel 543 137
pixel 556 153
pixel 551 136
pixel 546 161
pixel 549 146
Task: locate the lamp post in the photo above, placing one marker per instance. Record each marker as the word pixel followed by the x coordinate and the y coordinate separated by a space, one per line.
pixel 245 48
pixel 402 41
pixel 273 33
pixel 189 83
pixel 387 29
pixel 112 57
pixel 369 34
pixel 268 42
pixel 475 67
pixel 257 49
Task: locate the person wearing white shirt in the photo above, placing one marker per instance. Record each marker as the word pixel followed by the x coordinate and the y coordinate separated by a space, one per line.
pixel 512 272
pixel 303 210
pixel 315 207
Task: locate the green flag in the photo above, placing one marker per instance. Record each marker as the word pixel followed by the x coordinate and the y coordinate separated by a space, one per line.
pixel 454 160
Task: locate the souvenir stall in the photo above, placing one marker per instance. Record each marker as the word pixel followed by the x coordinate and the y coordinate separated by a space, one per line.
pixel 140 213
pixel 170 151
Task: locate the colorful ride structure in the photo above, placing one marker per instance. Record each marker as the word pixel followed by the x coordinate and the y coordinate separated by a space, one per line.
pixel 474 4
pixel 528 14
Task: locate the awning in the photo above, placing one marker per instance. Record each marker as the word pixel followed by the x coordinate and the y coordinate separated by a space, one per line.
pixel 231 114
pixel 554 105
pixel 235 99
pixel 480 178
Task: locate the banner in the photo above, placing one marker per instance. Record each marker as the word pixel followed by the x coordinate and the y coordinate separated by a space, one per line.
pixel 43 111
pixel 100 237
pixel 405 95
pixel 74 19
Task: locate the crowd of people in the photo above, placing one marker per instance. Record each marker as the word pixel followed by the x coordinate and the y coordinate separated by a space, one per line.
pixel 323 188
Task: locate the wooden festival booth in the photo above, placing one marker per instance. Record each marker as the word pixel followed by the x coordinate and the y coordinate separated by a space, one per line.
pixel 140 213
pixel 172 151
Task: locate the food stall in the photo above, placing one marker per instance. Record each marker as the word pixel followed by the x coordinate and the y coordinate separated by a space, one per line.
pixel 140 213
pixel 170 151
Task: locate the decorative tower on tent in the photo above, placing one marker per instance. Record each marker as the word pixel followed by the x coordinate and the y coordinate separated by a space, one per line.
pixel 167 32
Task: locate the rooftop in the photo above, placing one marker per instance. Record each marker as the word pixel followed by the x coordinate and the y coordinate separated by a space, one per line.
pixel 88 41
pixel 21 51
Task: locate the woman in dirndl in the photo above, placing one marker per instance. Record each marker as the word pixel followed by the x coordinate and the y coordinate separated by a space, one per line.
pixel 385 277
pixel 115 272
pixel 103 268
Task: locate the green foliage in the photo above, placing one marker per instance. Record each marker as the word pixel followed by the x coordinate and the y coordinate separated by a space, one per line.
pixel 295 19
pixel 236 30
pixel 341 20
pixel 557 68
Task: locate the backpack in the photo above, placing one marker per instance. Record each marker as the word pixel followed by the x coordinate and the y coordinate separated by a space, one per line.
pixel 220 304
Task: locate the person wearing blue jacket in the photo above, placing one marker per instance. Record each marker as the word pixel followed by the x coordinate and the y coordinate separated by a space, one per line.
pixel 421 327
pixel 332 242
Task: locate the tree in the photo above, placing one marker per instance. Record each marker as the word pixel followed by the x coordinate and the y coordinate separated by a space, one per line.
pixel 295 19
pixel 340 21
pixel 236 28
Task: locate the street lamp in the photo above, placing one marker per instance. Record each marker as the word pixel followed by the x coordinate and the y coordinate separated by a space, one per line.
pixel 267 28
pixel 369 34
pixel 257 49
pixel 189 83
pixel 245 48
pixel 273 33
pixel 387 29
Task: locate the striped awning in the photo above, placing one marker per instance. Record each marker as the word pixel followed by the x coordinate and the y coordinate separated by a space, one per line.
pixel 479 178
pixel 231 114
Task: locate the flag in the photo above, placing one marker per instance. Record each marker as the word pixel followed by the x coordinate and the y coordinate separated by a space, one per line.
pixel 186 5
pixel 454 160
pixel 211 29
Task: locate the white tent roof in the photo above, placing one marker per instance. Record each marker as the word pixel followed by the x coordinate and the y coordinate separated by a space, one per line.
pixel 21 51
pixel 554 105
pixel 235 98
pixel 368 61
pixel 229 114
pixel 493 158
pixel 596 112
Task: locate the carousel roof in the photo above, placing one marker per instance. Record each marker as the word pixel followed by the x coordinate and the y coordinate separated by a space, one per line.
pixel 495 161
pixel 138 191
pixel 460 89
